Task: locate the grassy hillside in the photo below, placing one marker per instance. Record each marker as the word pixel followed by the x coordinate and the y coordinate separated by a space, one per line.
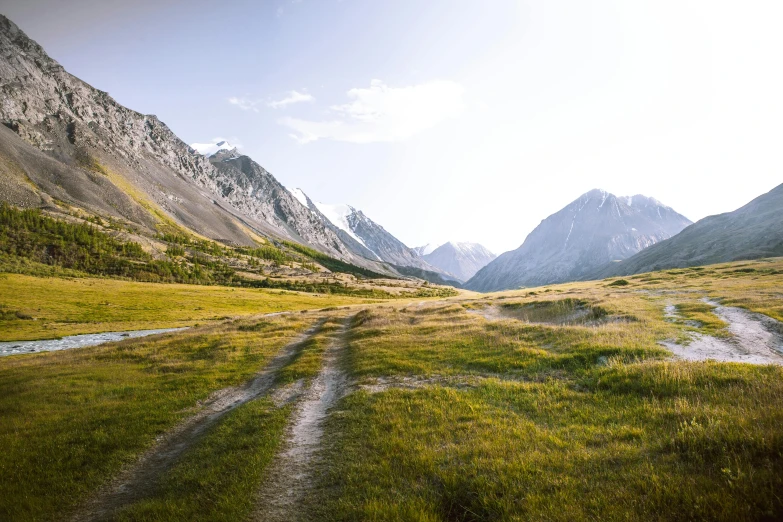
pixel 33 243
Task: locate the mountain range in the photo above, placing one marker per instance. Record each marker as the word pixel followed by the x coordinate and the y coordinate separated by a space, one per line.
pixel 460 259
pixel 80 147
pixel 68 147
pixel 373 238
pixel 750 232
pixel 66 144
pixel 573 243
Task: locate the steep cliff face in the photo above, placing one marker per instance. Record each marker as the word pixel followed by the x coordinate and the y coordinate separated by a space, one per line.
pixel 589 233
pixel 81 147
pixel 100 155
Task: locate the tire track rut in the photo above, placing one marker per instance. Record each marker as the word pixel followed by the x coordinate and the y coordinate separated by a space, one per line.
pixel 141 480
pixel 291 473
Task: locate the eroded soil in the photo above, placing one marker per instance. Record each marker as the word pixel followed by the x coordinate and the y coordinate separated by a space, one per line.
pixel 290 476
pixel 755 338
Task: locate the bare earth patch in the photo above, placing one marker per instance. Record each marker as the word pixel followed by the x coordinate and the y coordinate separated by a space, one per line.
pixel 566 315
pixel 382 384
pixel 290 474
pixel 756 339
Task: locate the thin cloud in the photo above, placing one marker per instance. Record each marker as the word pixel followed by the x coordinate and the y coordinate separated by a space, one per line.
pixel 245 104
pixel 293 97
pixel 383 114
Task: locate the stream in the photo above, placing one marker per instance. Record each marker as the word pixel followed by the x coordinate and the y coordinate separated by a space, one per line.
pixel 74 341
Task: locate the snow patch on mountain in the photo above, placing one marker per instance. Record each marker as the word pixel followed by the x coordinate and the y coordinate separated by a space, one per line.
pixel 299 195
pixel 425 249
pixel 210 149
pixel 338 214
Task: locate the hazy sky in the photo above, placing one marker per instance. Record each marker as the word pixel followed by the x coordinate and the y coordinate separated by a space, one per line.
pixel 452 119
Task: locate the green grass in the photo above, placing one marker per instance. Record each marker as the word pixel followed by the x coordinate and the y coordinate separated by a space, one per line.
pixel 446 340
pixel 516 420
pixel 644 442
pixel 72 419
pixel 561 311
pixel 702 313
pixel 218 478
pixel 557 422
pixel 61 307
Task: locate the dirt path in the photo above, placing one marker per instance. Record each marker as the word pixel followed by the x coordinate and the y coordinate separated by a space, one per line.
pixel 141 480
pixel 756 338
pixel 290 473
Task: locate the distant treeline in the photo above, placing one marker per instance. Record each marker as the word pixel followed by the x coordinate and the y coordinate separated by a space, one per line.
pixel 32 235
pixel 30 238
pixel 335 265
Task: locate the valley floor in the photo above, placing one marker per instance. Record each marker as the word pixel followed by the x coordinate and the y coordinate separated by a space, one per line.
pixel 555 403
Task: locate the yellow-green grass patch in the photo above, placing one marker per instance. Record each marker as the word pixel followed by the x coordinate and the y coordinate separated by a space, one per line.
pixel 72 419
pixel 56 307
pixel 653 441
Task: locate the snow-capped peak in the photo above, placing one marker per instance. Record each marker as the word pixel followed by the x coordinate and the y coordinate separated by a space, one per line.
pixel 338 215
pixel 210 149
pixel 641 199
pixel 461 259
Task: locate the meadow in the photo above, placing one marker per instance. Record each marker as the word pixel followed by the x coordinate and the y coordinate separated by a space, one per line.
pixel 45 308
pixel 553 403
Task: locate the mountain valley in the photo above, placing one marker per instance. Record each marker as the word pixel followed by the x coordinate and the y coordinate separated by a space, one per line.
pixel 184 338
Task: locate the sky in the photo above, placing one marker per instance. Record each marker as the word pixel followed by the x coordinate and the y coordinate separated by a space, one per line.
pixel 452 119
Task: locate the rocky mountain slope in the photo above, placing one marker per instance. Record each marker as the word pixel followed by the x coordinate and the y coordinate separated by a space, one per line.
pixel 751 232
pixel 592 231
pixel 64 143
pixel 371 236
pixel 460 259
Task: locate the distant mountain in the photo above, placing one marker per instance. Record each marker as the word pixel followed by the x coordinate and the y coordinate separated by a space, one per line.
pixel 343 232
pixel 592 231
pixel 424 250
pixel 64 143
pixel 381 245
pixel 751 232
pixel 439 278
pixel 460 259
